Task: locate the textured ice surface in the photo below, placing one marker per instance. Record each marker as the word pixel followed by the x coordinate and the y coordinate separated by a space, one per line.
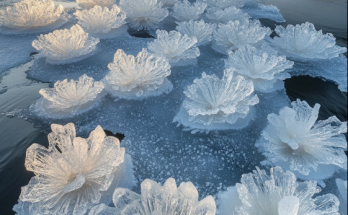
pixel 262 11
pixel 168 3
pixel 226 3
pixel 199 29
pixel 224 15
pixel 342 187
pixel 185 11
pixel 88 4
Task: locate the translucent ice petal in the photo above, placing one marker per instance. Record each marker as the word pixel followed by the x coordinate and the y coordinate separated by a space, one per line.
pixel 185 11
pixel 198 29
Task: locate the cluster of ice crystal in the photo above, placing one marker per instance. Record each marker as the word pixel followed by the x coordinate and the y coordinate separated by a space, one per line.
pixel 65 46
pixel 168 3
pixel 185 11
pixel 138 77
pixel 224 15
pixel 198 29
pixel 264 68
pixel 225 3
pixel 156 199
pixel 32 16
pixel 304 42
pixel 236 34
pixel 88 4
pixel 102 22
pixel 178 49
pixel 342 187
pixel 276 194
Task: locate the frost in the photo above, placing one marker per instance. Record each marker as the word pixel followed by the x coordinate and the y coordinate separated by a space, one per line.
pixel 138 77
pixel 88 4
pixel 32 16
pixel 168 3
pixel 102 22
pixel 156 199
pixel 224 15
pixel 262 11
pixel 226 3
pixel 342 187
pixel 264 68
pixel 199 29
pixel 177 48
pixel 276 194
pixel 185 11
pixel 65 46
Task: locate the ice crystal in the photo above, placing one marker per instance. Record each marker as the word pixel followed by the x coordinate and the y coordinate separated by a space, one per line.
pixel 102 22
pixel 199 29
pixel 225 3
pixel 264 68
pixel 156 199
pixel 168 3
pixel 236 34
pixel 65 46
pixel 225 15
pixel 143 14
pixel 88 4
pixel 276 194
pixel 342 187
pixel 304 42
pixel 138 77
pixel 32 16
pixel 177 48
pixel 185 11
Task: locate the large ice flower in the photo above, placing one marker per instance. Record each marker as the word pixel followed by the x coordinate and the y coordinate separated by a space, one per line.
pixel 225 3
pixel 263 67
pixel 185 11
pixel 224 15
pixel 198 29
pixel 88 4
pixel 304 42
pixel 218 104
pixel 143 14
pixel 177 48
pixel 342 187
pixel 236 34
pixel 102 22
pixel 32 16
pixel 66 46
pixel 276 194
pixel 295 140
pixel 157 200
pixel 138 77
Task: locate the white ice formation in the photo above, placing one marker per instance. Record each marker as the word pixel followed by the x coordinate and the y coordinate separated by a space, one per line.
pixel 32 16
pixel 276 194
pixel 178 49
pixel 143 14
pixel 168 3
pixel 102 22
pixel 304 42
pixel 296 141
pixel 224 15
pixel 226 3
pixel 73 174
pixel 138 77
pixel 88 4
pixel 157 200
pixel 66 46
pixel 236 34
pixel 198 29
pixel 185 11
pixel 342 187
pixel 217 104
pixel 264 68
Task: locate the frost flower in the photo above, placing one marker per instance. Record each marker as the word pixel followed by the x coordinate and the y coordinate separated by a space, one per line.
pixel 65 46
pixel 88 4
pixel 102 22
pixel 304 42
pixel 198 29
pixel 168 3
pixel 138 77
pixel 179 49
pixel 32 16
pixel 342 187
pixel 276 194
pixel 224 15
pixel 264 68
pixel 226 3
pixel 185 11
pixel 157 200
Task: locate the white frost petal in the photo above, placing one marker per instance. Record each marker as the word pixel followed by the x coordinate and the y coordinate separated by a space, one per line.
pixel 185 11
pixel 88 4
pixel 224 15
pixel 198 29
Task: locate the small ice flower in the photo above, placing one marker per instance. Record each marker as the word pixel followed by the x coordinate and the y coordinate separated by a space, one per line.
pixel 342 188
pixel 143 14
pixel 304 42
pixel 198 29
pixel 222 4
pixel 88 4
pixel 185 11
pixel 177 48
pixel 224 15
pixel 264 68
pixel 138 77
pixel 168 3
pixel 65 46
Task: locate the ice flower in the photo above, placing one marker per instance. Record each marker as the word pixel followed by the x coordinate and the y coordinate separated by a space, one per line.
pixel 138 77
pixel 224 15
pixel 218 104
pixel 32 16
pixel 156 199
pixel 342 187
pixel 65 46
pixel 178 49
pixel 168 3
pixel 236 34
pixel 264 68
pixel 304 42
pixel 102 22
pixel 276 194
pixel 225 3
pixel 88 4
pixel 198 29
pixel 143 14
pixel 185 11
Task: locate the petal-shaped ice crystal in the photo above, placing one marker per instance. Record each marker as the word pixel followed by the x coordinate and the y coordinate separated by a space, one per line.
pixel 225 15
pixel 342 187
pixel 185 11
pixel 88 4
pixel 199 29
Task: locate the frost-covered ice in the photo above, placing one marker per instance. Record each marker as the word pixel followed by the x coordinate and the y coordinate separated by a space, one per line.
pixel 224 15
pixel 168 3
pixel 226 3
pixel 185 11
pixel 88 4
pixel 199 29
pixel 342 187
pixel 262 11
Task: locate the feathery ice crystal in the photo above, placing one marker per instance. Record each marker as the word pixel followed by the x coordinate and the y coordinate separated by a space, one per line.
pixel 177 48
pixel 304 42
pixel 88 4
pixel 199 29
pixel 342 187
pixel 32 16
pixel 143 14
pixel 138 77
pixel 236 34
pixel 224 15
pixel 72 174
pixel 218 104
pixel 156 199
pixel 65 46
pixel 276 194
pixel 185 11
pixel 264 68
pixel 296 141
pixel 102 22
pixel 225 3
